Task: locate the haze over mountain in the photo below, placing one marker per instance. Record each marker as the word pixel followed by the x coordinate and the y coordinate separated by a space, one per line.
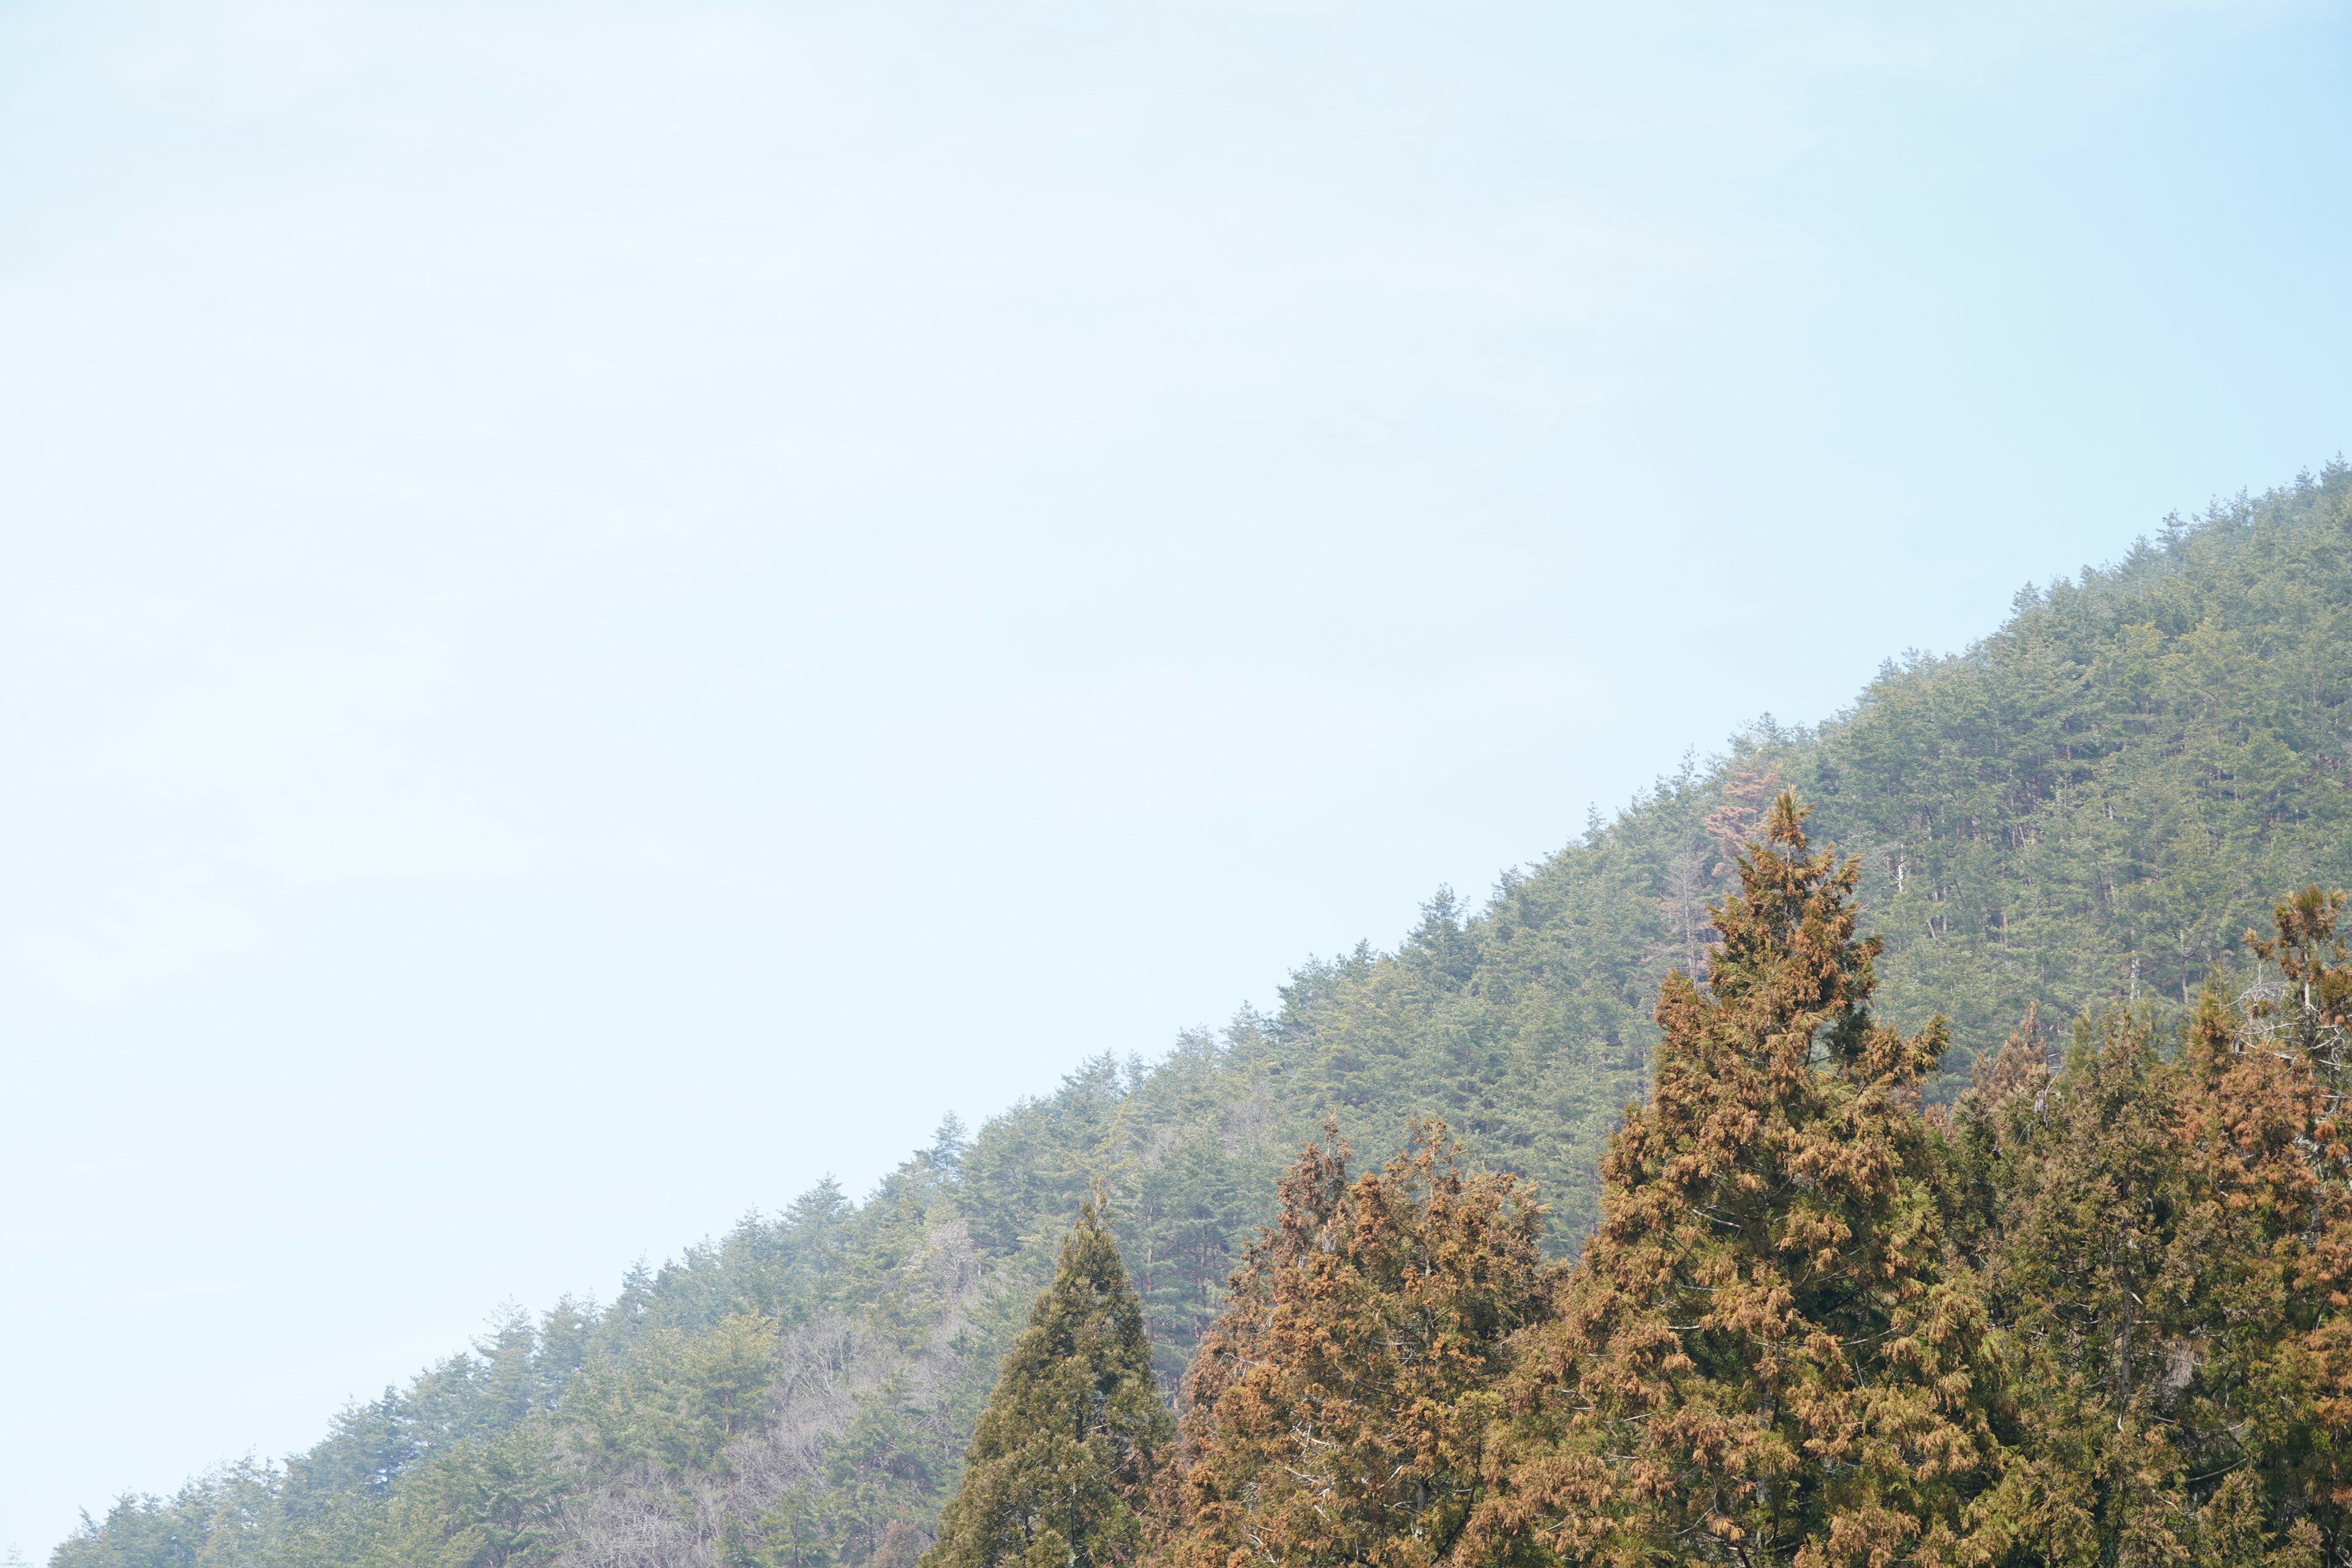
pixel 610 609
pixel 2093 804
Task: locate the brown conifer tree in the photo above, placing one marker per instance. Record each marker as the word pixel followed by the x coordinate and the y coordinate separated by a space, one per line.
pixel 1337 1412
pixel 1764 1355
pixel 2170 1259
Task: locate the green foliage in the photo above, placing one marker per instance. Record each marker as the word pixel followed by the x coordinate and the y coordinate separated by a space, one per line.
pixel 495 1502
pixel 2099 799
pixel 678 1400
pixel 1064 1455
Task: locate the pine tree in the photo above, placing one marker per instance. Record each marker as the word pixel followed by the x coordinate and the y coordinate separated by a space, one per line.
pixel 1337 1412
pixel 1763 1355
pixel 1064 1457
pixel 485 1503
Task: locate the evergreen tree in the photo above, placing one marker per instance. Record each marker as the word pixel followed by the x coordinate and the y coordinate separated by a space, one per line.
pixel 2170 1255
pixel 1762 1356
pixel 1336 1413
pixel 2306 1014
pixel 1064 1455
pixel 492 1503
pixel 2083 1267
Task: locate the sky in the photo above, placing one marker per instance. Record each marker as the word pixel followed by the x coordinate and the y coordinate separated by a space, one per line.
pixel 610 608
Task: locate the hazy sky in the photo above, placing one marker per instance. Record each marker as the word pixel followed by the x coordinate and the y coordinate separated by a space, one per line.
pixel 608 608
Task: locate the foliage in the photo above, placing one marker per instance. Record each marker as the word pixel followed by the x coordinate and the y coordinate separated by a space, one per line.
pixel 1762 1355
pixel 1064 1455
pixel 1337 1411
pixel 2169 1246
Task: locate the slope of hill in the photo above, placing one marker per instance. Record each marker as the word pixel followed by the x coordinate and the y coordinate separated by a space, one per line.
pixel 2097 800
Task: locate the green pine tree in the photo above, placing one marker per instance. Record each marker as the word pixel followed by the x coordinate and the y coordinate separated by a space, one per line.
pixel 1064 1455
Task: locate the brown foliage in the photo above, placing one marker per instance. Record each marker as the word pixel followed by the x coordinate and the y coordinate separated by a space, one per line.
pixel 2021 1064
pixel 2170 1254
pixel 1747 803
pixel 1762 1356
pixel 1337 1413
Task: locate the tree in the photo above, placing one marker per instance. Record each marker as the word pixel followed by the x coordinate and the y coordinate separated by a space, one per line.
pixel 679 1400
pixel 1065 1454
pixel 1336 1413
pixel 2302 1016
pixel 1763 1355
pixel 492 1502
pixel 2170 1255
pixel 2084 1269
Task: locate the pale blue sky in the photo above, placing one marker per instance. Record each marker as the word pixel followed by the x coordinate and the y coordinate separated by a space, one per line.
pixel 609 609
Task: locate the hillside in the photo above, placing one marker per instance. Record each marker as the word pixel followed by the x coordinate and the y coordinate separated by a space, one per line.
pixel 2096 801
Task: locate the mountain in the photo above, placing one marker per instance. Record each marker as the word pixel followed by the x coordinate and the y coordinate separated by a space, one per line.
pixel 2095 802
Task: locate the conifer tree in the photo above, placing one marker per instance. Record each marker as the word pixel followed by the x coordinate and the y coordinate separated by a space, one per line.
pixel 1337 1412
pixel 1063 1459
pixel 2082 1267
pixel 2306 1014
pixel 2170 1258
pixel 1763 1355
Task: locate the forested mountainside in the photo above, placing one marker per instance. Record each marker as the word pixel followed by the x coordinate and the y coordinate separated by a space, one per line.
pixel 2094 803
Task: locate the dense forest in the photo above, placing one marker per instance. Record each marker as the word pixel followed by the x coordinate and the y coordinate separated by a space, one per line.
pixel 2080 817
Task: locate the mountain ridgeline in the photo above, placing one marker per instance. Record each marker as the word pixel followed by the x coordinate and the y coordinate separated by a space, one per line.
pixel 2090 807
